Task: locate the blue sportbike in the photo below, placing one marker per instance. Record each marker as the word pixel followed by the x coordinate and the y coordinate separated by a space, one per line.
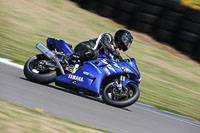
pixel 117 82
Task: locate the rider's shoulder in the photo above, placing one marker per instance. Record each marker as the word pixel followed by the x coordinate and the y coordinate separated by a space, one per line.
pixel 108 36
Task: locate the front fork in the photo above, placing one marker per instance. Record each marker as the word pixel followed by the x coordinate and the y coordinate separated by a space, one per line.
pixel 118 90
pixel 119 86
pixel 119 83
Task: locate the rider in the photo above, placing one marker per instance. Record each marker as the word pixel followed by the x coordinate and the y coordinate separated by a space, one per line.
pixel 105 43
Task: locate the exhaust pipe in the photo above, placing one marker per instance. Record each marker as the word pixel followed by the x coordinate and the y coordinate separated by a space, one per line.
pixel 48 53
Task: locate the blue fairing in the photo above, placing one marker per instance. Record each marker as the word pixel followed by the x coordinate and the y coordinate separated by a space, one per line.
pixel 91 74
pixel 101 55
pixel 59 45
pixel 132 65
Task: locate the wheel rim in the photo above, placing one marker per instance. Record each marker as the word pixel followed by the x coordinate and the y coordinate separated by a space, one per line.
pixel 34 67
pixel 125 96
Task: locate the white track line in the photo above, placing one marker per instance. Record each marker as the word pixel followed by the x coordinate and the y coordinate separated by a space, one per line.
pixel 10 63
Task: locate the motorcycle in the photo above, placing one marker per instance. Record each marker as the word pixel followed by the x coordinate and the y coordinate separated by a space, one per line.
pixel 117 82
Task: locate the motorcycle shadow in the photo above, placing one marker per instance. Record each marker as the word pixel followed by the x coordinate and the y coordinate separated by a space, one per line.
pixel 75 93
pixel 81 94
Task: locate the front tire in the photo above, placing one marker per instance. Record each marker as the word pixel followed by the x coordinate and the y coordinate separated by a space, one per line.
pixel 43 77
pixel 131 97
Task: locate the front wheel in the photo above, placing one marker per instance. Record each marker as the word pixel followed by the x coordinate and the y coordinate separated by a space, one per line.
pixel 36 71
pixel 129 96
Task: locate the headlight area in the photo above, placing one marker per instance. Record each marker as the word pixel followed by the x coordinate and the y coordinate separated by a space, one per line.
pixel 133 66
pixel 133 77
pixel 123 69
pixel 136 69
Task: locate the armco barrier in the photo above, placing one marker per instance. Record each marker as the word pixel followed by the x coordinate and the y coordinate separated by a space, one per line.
pixel 167 21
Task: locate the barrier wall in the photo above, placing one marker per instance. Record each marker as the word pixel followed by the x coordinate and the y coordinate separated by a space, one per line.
pixel 167 21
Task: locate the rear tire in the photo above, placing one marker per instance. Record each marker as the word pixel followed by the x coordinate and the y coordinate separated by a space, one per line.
pixel 129 100
pixel 43 78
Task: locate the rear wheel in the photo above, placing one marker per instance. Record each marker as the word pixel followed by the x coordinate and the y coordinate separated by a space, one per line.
pixel 126 97
pixel 36 71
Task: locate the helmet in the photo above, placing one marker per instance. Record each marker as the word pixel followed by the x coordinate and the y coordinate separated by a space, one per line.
pixel 124 39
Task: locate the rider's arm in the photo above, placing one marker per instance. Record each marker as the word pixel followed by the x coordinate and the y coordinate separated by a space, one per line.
pixel 106 40
pixel 118 56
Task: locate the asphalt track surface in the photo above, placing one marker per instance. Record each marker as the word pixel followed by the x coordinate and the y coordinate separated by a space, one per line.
pixel 90 111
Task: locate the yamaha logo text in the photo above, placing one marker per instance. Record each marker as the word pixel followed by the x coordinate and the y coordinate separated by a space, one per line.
pixel 78 78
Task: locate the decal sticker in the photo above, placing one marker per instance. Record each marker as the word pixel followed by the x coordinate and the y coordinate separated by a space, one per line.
pixel 95 67
pixel 111 68
pixel 74 77
pixel 108 65
pixel 116 65
pixel 104 61
pixel 107 71
pixel 86 73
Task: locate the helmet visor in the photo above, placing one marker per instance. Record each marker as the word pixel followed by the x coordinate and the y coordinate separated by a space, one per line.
pixel 126 41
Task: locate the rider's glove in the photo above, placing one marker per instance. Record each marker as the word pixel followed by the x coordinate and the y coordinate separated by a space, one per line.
pixel 122 59
pixel 116 54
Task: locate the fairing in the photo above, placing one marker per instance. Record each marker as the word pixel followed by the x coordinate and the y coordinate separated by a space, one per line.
pixel 91 74
pixel 59 45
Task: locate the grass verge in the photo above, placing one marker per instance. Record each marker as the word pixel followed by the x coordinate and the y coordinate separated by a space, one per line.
pixel 170 80
pixel 17 119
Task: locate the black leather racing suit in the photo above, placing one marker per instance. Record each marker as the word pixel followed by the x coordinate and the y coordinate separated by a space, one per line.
pixel 89 50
